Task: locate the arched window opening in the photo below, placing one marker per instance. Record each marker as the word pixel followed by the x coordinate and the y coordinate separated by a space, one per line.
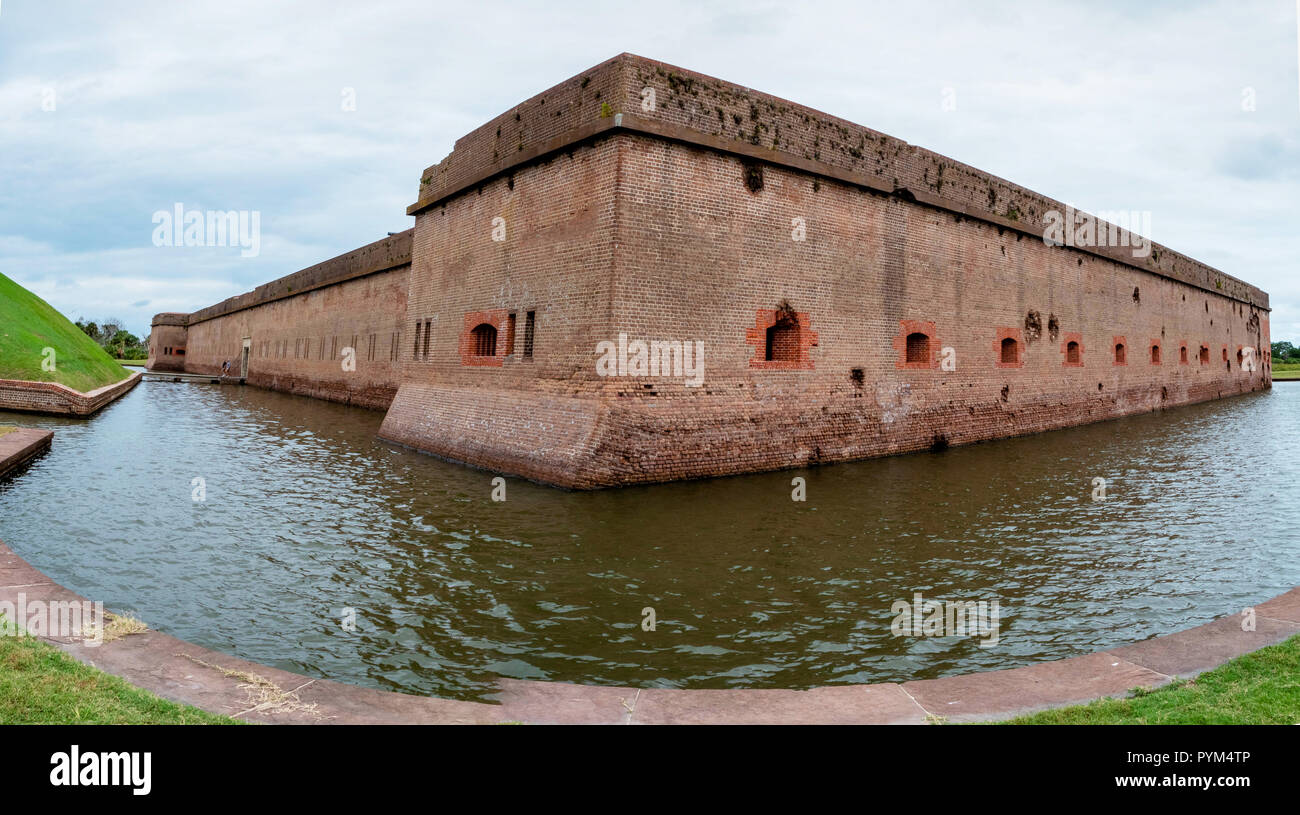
pixel 783 341
pixel 485 340
pixel 1072 352
pixel 1121 355
pixel 1155 355
pixel 1205 355
pixel 1182 355
pixel 1009 355
pixel 918 347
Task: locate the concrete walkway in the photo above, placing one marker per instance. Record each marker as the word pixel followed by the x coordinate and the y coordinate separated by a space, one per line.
pixel 219 683
pixel 211 379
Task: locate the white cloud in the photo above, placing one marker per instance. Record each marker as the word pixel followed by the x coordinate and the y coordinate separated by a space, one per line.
pixel 236 106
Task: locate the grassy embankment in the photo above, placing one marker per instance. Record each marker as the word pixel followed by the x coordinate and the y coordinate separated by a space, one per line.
pixel 29 325
pixel 1286 370
pixel 39 684
pixel 1262 687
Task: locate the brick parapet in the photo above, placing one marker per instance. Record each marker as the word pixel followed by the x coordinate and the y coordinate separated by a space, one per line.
pixel 710 113
pixel 380 256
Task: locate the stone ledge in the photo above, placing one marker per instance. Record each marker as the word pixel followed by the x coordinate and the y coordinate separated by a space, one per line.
pixel 1188 653
pixel 19 446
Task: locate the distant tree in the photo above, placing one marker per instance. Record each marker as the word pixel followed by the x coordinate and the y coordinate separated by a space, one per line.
pixel 1285 351
pixel 108 328
pixel 121 341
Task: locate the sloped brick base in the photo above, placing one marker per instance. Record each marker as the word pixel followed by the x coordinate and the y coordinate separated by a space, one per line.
pixel 594 442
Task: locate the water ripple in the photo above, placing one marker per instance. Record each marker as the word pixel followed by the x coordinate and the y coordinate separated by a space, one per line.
pixel 310 525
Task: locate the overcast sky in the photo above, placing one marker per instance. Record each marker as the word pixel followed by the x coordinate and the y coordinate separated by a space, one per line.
pixel 236 105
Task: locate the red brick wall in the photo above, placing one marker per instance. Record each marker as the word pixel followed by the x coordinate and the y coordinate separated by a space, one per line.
pixel 530 415
pixel 468 344
pixel 699 254
pixel 299 326
pixel 791 348
pixel 168 335
pixel 736 118
pixel 298 343
pixel 700 221
pixel 907 328
pixel 1068 337
pixel 557 260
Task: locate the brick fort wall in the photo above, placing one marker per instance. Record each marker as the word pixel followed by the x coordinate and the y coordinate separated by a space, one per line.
pixel 853 296
pixel 299 329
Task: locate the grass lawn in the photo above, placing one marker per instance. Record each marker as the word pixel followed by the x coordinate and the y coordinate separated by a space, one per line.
pixel 39 684
pixel 1286 370
pixel 1262 687
pixel 29 325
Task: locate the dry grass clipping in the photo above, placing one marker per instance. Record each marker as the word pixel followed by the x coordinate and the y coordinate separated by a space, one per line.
pixel 117 626
pixel 264 695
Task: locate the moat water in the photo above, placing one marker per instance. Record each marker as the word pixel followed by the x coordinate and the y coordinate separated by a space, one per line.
pixel 305 515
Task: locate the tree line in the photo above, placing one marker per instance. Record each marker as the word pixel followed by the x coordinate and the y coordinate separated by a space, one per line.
pixel 116 340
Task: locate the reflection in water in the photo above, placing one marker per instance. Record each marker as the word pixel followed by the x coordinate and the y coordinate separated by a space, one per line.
pixel 307 514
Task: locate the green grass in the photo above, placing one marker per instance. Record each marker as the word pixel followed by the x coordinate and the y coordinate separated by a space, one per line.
pixel 1286 370
pixel 29 325
pixel 1262 687
pixel 39 684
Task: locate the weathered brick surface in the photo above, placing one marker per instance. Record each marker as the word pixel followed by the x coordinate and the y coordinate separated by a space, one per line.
pixel 51 397
pixel 699 254
pixel 696 107
pixel 167 340
pixel 712 218
pixel 299 327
